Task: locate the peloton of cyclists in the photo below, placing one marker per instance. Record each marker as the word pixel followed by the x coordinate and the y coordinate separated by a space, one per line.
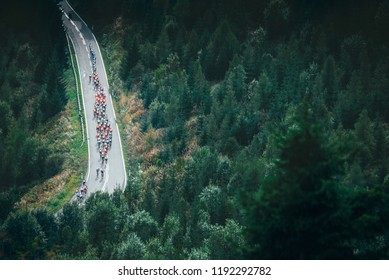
pixel 104 129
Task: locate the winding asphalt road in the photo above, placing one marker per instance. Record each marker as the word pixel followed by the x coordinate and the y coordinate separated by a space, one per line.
pixel 115 171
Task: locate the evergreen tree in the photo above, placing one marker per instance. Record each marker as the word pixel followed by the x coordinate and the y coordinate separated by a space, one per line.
pixel 226 243
pixel 200 93
pixel 329 80
pixel 100 221
pixel 131 249
pixel 276 15
pixel 23 237
pixel 220 51
pixel 299 213
pixel 163 46
pixel 365 135
pixel 143 225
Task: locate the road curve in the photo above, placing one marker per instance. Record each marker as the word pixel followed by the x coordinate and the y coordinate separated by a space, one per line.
pixel 114 170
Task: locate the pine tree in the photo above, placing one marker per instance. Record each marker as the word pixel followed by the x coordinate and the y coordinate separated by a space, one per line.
pixel 163 46
pixel 236 79
pixel 6 119
pixel 131 249
pixel 364 133
pixel 200 89
pixel 220 51
pixel 329 80
pixel 226 243
pixel 23 237
pixel 298 212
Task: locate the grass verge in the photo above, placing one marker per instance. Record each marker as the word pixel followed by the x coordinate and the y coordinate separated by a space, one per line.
pixel 62 135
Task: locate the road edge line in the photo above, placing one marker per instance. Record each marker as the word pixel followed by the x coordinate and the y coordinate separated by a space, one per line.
pixel 113 107
pixel 77 14
pixel 78 95
pixel 114 114
pixel 83 104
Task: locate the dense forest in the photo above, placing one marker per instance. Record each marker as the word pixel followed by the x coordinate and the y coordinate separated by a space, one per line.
pixel 32 60
pixel 253 129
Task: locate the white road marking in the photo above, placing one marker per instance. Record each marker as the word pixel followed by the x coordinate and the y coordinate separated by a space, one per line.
pixel 110 98
pixel 114 115
pixel 85 116
pixel 106 177
pixel 75 12
pixel 78 30
pixel 83 41
pixel 81 36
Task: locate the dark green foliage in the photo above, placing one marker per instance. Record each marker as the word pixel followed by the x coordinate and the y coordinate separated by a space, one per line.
pixel 31 90
pixel 143 224
pixel 212 199
pixel 52 97
pixel 71 223
pixel 99 223
pixel 220 51
pixel 330 79
pixel 268 122
pixel 290 173
pixel 130 249
pixel 22 237
pixel 226 243
pixel 199 172
pixel 277 17
pixel 200 95
pixel 300 207
pixel 49 226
